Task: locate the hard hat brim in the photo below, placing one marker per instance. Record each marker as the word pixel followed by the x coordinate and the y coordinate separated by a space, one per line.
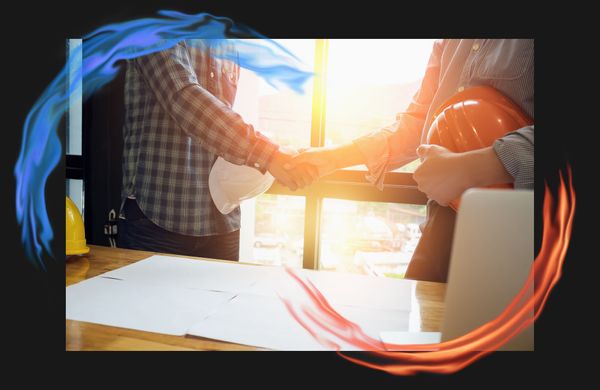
pixel 81 251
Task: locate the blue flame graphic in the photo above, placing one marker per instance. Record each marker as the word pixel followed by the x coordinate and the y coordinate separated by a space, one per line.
pixel 41 147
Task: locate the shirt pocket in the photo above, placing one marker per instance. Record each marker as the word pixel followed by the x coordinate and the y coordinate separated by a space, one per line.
pixel 230 72
pixel 508 59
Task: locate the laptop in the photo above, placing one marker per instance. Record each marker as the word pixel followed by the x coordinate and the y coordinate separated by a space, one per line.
pixel 491 258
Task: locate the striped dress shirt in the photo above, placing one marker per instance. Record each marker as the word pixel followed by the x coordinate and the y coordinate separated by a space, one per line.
pixel 454 65
pixel 178 120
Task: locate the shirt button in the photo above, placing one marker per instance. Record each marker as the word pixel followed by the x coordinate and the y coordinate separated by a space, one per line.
pixel 461 88
pixel 475 47
pixel 256 165
pixel 212 75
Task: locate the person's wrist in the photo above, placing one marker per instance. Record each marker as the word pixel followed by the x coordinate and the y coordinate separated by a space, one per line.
pixel 346 155
pixel 485 168
pixel 262 154
pixel 274 159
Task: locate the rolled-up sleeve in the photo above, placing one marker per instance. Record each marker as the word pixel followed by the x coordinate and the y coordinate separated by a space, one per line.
pixel 516 152
pixel 199 113
pixel 395 145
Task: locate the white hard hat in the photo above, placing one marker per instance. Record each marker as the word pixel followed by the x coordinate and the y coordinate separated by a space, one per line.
pixel 229 184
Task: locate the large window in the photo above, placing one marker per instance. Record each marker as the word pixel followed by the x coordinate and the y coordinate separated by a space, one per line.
pixel 368 82
pixel 273 230
pixel 284 116
pixel 340 223
pixel 373 238
pixel 273 225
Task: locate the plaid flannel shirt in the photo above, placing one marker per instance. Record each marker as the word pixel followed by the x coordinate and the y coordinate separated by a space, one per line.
pixel 178 120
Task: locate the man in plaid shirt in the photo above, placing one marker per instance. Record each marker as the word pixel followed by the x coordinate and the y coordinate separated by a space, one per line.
pixel 178 120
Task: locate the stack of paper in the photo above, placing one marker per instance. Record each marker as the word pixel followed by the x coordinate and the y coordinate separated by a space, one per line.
pixel 232 302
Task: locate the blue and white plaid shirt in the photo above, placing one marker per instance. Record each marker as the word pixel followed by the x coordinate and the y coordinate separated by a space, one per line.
pixel 178 120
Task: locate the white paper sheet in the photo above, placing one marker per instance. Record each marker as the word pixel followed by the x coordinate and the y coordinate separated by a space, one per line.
pixel 263 321
pixel 140 306
pixel 192 273
pixel 363 291
pixel 375 321
pixel 232 302
pixel 256 320
pixel 338 288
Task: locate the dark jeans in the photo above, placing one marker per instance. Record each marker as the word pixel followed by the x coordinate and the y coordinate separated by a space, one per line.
pixel 432 256
pixel 138 232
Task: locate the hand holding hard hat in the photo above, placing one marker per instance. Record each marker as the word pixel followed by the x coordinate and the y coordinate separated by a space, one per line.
pixel 444 175
pixel 465 127
pixel 229 184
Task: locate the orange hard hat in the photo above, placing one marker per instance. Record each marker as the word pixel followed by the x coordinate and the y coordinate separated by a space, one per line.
pixel 474 119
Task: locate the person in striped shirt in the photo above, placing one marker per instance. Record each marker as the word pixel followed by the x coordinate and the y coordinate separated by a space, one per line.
pixel 454 65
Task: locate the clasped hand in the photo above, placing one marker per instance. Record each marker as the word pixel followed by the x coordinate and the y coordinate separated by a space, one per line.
pixel 294 178
pixel 444 175
pixel 298 170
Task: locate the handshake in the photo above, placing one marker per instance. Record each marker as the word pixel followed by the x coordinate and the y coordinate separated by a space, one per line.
pixel 442 176
pixel 297 170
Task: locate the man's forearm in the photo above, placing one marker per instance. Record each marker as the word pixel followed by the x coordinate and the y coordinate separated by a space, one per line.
pixel 485 168
pixel 219 129
pixel 348 155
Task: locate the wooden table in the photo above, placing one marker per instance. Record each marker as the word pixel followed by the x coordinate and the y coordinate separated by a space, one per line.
pixel 428 306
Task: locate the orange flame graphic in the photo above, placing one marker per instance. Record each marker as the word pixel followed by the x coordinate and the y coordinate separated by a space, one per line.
pixel 327 326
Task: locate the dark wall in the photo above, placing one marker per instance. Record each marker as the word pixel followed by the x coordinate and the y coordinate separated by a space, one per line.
pixel 103 115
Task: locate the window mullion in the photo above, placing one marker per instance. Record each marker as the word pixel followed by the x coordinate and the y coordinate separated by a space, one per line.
pixel 317 131
pixel 317 138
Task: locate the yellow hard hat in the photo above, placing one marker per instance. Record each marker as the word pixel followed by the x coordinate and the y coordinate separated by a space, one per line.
pixel 75 233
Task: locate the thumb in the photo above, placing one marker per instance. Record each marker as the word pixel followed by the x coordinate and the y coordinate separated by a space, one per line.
pixel 422 150
pixel 426 150
pixel 295 161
